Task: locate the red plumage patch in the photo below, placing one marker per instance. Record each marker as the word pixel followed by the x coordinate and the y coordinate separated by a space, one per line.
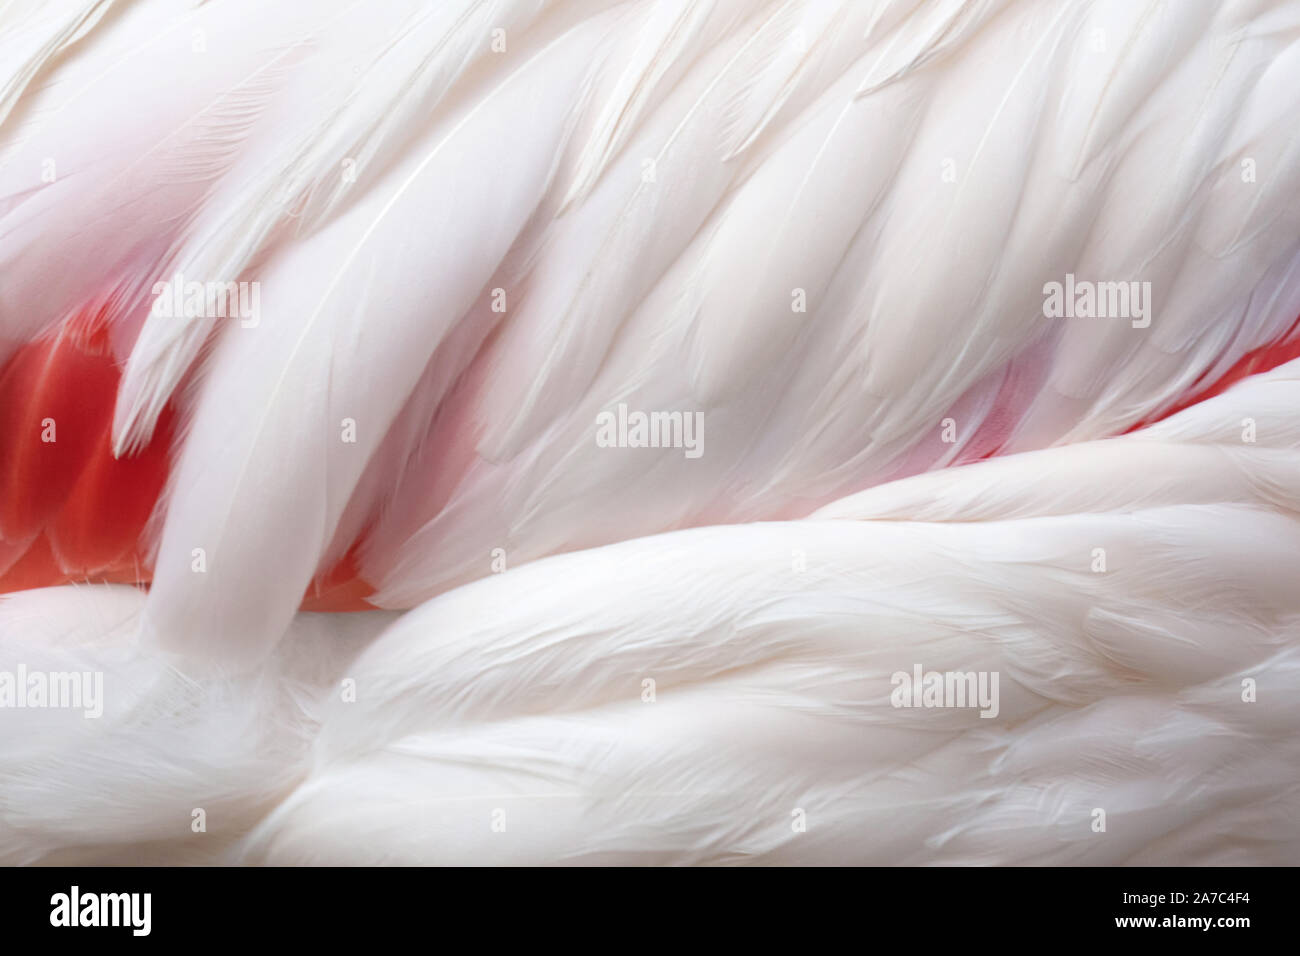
pixel 69 510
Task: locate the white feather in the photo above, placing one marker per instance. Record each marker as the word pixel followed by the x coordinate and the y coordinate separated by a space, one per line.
pixel 351 317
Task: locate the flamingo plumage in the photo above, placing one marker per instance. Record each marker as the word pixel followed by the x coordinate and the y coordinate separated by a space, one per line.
pixel 360 575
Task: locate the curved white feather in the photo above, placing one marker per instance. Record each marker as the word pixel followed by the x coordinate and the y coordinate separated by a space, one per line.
pixel 276 445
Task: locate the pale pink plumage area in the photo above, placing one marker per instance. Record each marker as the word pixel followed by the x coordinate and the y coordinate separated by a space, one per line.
pixel 551 432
